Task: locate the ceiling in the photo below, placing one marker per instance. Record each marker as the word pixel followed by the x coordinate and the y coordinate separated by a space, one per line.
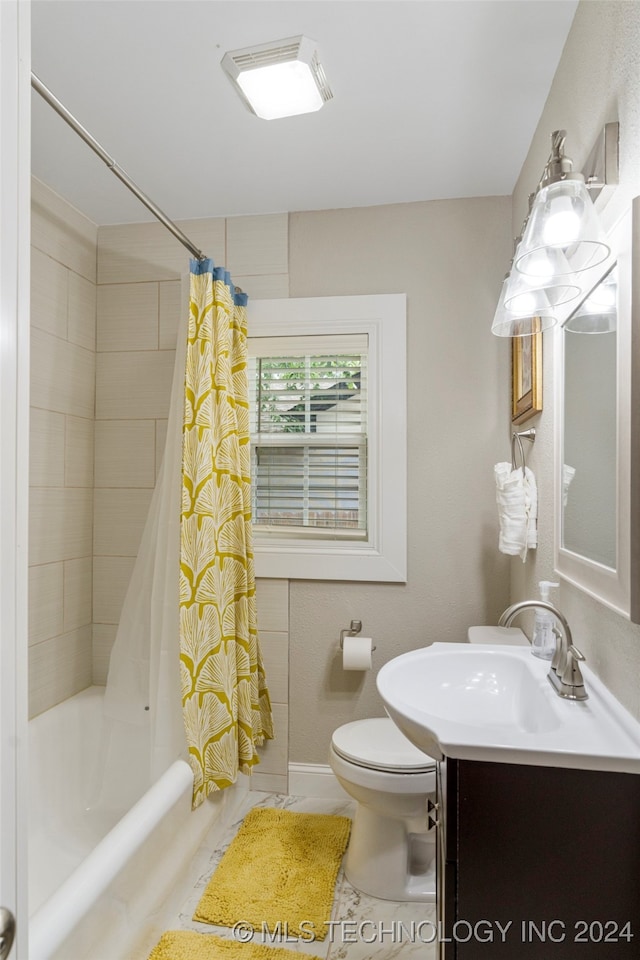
pixel 432 99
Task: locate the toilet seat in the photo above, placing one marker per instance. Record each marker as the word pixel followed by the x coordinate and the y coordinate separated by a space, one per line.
pixel 377 744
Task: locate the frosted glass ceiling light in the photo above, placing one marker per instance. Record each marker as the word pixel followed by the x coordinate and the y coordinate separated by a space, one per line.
pixel 563 225
pixel 279 79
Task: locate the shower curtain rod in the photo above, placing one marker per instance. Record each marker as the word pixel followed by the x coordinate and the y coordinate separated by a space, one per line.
pixel 60 109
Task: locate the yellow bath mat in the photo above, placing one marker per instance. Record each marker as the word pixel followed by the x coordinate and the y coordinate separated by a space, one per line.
pixel 279 873
pixel 187 945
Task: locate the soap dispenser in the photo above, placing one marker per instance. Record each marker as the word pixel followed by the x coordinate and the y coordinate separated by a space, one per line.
pixel 543 644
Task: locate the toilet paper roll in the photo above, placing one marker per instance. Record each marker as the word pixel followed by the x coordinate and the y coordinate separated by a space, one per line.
pixel 356 653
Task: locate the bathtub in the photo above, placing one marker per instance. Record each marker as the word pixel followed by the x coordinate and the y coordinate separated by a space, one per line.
pixel 99 872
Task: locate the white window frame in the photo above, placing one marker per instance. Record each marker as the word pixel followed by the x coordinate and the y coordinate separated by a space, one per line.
pixel 382 556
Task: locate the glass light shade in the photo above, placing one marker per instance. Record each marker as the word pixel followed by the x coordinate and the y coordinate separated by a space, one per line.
pixel 563 232
pixel 281 90
pixel 533 294
pixel 521 317
pixel 598 313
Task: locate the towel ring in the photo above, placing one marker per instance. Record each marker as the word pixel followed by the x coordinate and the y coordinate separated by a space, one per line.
pixel 529 435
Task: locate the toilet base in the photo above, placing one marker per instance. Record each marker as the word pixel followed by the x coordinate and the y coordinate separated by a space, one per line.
pixel 385 859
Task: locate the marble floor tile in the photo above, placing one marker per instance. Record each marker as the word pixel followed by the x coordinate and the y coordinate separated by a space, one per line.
pixel 371 929
pixel 361 927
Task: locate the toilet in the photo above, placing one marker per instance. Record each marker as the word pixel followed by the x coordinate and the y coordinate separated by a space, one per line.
pixel 391 853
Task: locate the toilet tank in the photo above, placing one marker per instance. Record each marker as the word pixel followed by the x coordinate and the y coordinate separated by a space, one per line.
pixel 507 635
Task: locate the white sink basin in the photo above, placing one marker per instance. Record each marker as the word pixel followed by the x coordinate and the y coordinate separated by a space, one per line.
pixel 495 703
pixel 481 689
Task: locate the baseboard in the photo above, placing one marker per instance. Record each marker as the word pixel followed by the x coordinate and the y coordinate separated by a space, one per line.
pixel 315 780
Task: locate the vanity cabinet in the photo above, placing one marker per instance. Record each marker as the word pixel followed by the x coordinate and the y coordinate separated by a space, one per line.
pixel 538 863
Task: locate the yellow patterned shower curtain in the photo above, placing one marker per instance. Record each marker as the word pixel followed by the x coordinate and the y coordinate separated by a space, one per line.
pixel 226 707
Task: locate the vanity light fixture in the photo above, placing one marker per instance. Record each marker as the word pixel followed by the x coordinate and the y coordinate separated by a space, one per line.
pixel 283 78
pixel 527 304
pixel 562 221
pixel 562 238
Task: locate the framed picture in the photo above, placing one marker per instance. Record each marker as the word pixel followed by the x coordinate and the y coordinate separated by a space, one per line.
pixel 526 377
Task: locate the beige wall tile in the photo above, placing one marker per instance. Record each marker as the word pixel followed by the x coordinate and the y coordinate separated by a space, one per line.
pixel 161 439
pixel 136 252
pixel 273 605
pixel 77 593
pixel 125 453
pixel 79 452
pixel 275 654
pixel 258 245
pixel 61 444
pixel 269 287
pixel 269 782
pixel 111 576
pixel 60 525
pixel 171 306
pixel 82 311
pixel 49 294
pixel 128 316
pixel 62 376
pixel 46 448
pixel 58 669
pixel 274 755
pixel 62 232
pixel 134 385
pixel 46 614
pixel 136 310
pixel 119 520
pixel 104 635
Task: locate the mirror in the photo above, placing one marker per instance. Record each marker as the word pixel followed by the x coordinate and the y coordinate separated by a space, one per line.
pixel 593 374
pixel 589 495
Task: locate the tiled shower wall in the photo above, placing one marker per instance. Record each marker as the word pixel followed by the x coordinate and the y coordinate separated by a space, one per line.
pixel 63 330
pixel 138 308
pixel 99 402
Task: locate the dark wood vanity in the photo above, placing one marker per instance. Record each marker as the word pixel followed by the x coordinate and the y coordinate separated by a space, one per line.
pixel 538 863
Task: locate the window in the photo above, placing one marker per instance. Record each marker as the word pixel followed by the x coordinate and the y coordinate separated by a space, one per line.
pixel 328 437
pixel 309 436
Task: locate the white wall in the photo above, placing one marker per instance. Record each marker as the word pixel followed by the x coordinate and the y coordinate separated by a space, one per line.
pixel 597 81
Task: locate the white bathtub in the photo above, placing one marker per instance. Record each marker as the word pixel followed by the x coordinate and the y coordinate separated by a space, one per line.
pixel 96 878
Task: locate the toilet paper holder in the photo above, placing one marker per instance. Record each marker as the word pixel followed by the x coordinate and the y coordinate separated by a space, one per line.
pixel 352 630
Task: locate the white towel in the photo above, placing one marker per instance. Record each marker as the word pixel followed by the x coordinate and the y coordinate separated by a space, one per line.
pixel 517 499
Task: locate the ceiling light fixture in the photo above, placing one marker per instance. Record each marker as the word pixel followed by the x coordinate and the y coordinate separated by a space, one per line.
pixel 283 78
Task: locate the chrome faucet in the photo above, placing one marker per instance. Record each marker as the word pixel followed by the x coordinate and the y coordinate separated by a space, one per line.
pixel 564 674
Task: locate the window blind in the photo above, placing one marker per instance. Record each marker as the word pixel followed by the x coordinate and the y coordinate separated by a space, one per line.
pixel 308 420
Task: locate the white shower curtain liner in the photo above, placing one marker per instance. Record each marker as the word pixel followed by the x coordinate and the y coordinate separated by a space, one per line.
pixel 142 703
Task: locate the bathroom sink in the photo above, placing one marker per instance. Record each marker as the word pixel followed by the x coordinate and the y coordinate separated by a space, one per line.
pixel 494 702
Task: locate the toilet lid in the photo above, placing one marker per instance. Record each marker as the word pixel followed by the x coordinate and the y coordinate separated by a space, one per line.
pixel 379 745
